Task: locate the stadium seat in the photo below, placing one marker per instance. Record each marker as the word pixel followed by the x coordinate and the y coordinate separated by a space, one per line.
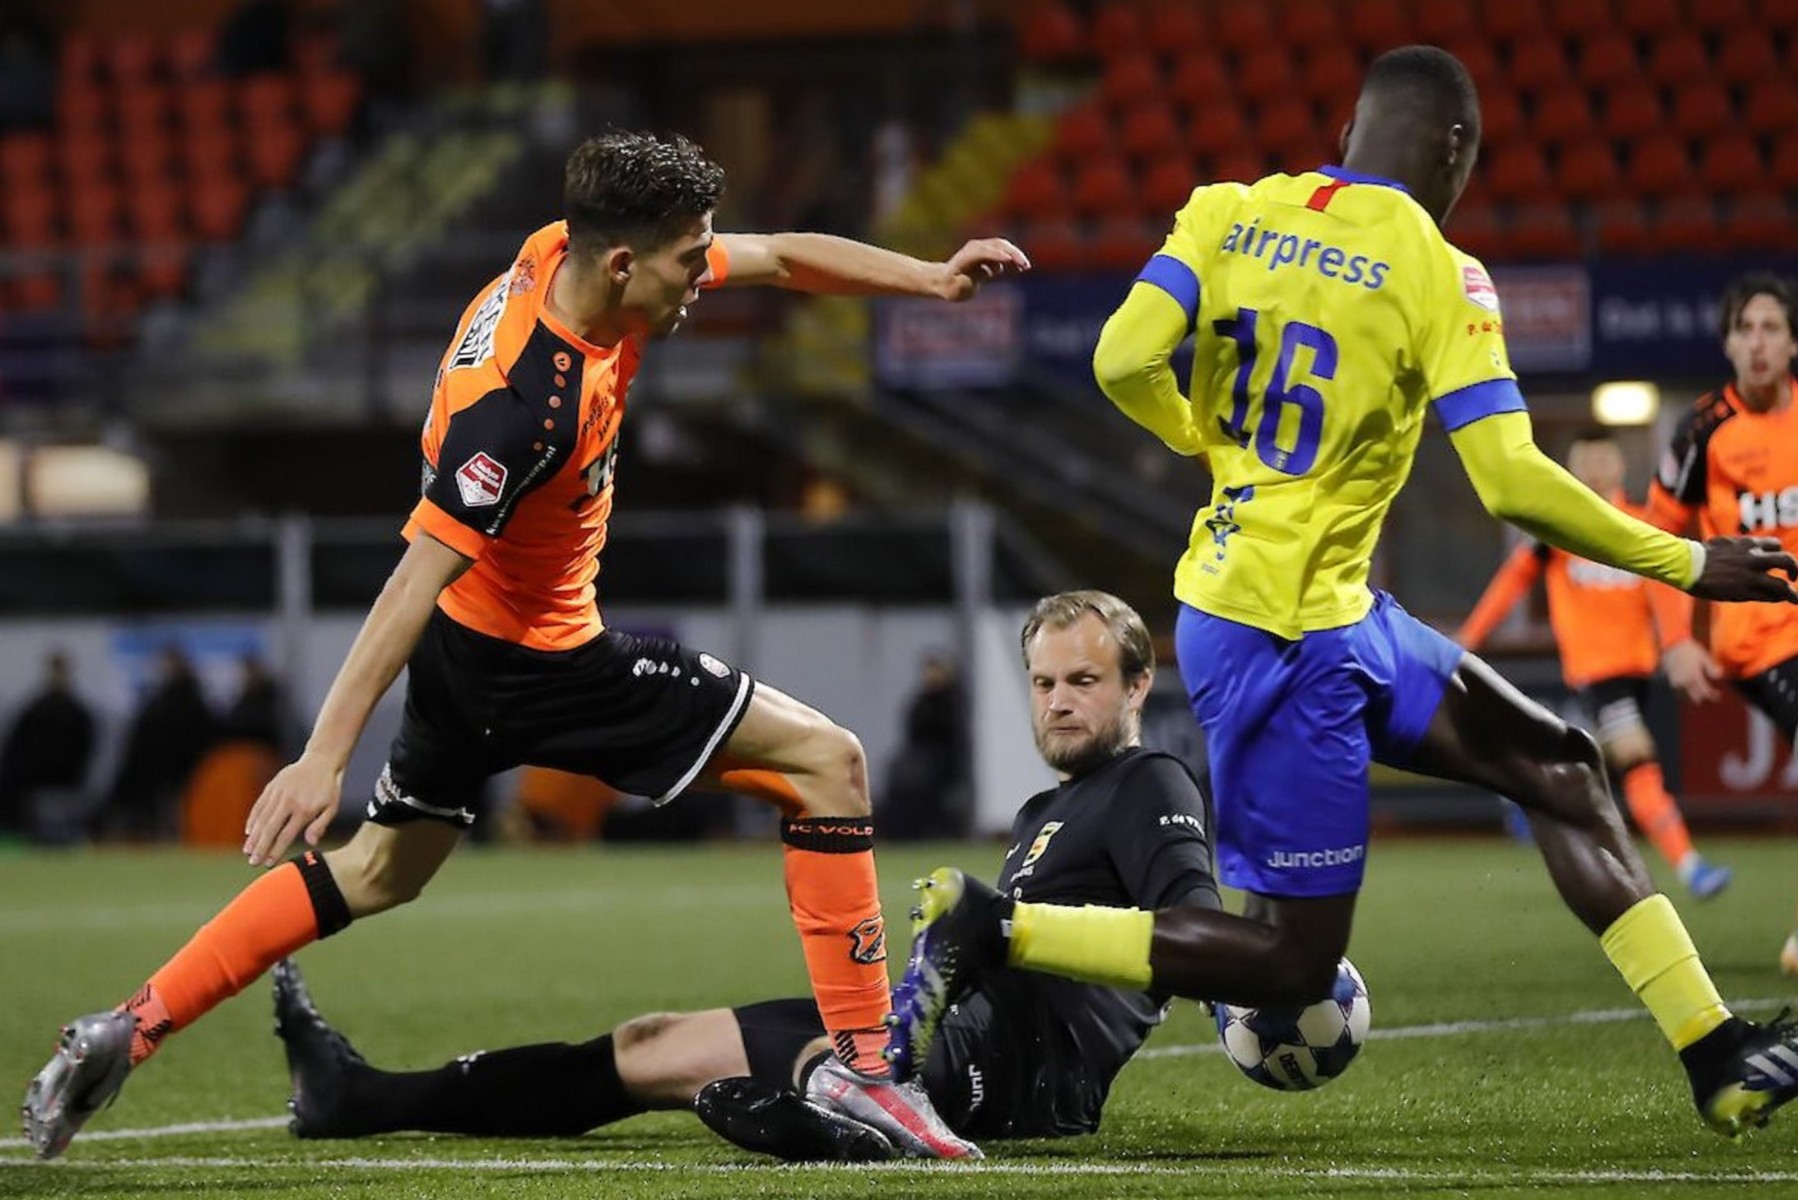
pixel 144 110
pixel 1103 186
pixel 1782 170
pixel 29 216
pixel 155 213
pixel 1701 109
pixel 1200 84
pixel 1215 132
pixel 1150 133
pixel 1687 225
pixel 1501 117
pixel 1562 115
pixel 217 206
pixel 191 53
pixel 1760 221
pixel 275 155
pixel 1717 16
pixel 1131 79
pixel 1659 166
pixel 1240 165
pixel 24 157
pixel 1633 111
pixel 1607 61
pixel 1330 75
pixel 1476 229
pixel 1518 173
pixel 209 156
pixel 1483 65
pixel 79 55
pixel 1444 22
pixel 38 292
pixel 265 100
pixel 1537 63
pixel 1745 56
pixel 1264 74
pixel 1307 24
pixel 94 214
pixel 1622 228
pixel 1123 243
pixel 83 159
pixel 1174 29
pixel 1581 18
pixel 1544 231
pixel 1036 191
pixel 1242 28
pixel 1779 15
pixel 1054 245
pixel 1287 130
pixel 330 101
pixel 1375 26
pixel 1515 20
pixel 1587 171
pixel 82 107
pixel 1771 107
pixel 1082 132
pixel 1677 60
pixel 132 59
pixel 1649 18
pixel 1117 29
pixel 1731 163
pixel 162 268
pixel 144 160
pixel 1166 186
pixel 204 104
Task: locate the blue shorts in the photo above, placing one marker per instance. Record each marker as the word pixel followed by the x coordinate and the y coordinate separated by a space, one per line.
pixel 1290 728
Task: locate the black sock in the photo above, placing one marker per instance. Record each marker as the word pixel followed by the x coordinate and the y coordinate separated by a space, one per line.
pixel 550 1090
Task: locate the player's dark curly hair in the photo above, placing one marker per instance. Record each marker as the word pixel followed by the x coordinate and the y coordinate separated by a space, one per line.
pixel 1136 650
pixel 636 188
pixel 1428 81
pixel 1744 288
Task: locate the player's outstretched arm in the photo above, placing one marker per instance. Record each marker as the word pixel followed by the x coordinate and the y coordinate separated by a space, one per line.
pixel 823 264
pixel 303 797
pixel 1131 362
pixel 1518 483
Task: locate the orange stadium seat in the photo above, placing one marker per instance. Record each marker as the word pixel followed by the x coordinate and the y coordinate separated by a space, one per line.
pixel 1659 166
pixel 191 53
pixel 1587 171
pixel 1310 23
pixel 1103 186
pixel 1174 29
pixel 1746 55
pixel 1678 59
pixel 1081 132
pixel 155 213
pixel 1331 75
pixel 1518 173
pixel 1623 228
pixel 93 213
pixel 1131 79
pixel 133 58
pixel 1515 20
pixel 1562 115
pixel 1445 22
pixel 24 157
pixel 1376 26
pixel 1150 133
pixel 1123 243
pixel 1581 18
pixel 1287 130
pixel 217 206
pixel 1771 107
pixel 1688 225
pixel 144 160
pixel 1608 60
pixel 1117 28
pixel 1633 111
pixel 1731 163
pixel 1036 190
pixel 1650 18
pixel 1200 83
pixel 275 155
pixel 1544 231
pixel 1055 245
pixel 1264 74
pixel 1701 109
pixel 1537 63
pixel 330 101
pixel 1166 186
pixel 1760 221
pixel 1213 132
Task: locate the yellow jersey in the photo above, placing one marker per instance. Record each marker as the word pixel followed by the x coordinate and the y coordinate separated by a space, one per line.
pixel 1327 310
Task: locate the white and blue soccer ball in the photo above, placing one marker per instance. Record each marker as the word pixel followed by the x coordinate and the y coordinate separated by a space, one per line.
pixel 1296 1049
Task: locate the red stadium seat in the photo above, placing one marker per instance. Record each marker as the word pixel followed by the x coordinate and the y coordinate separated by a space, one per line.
pixel 275 156
pixel 24 158
pixel 191 53
pixel 80 55
pixel 1200 84
pixel 1501 117
pixel 1166 186
pixel 1633 111
pixel 1581 18
pixel 1677 60
pixel 1082 132
pixel 1376 26
pixel 1483 65
pixel 1562 115
pixel 1731 164
pixel 1242 28
pixel 1445 22
pixel 204 104
pixel 1103 186
pixel 1515 20
pixel 1287 130
pixel 1174 29
pixel 1265 74
pixel 1718 16
pixel 1587 171
pixel 217 206
pixel 1238 165
pixel 1123 243
pixel 144 161
pixel 1212 133
pixel 37 293
pixel 1538 63
pixel 1055 245
pixel 1745 56
pixel 1306 24
pixel 162 268
pixel 1607 61
pixel 93 213
pixel 1783 168
pixel 1760 221
pixel 1650 18
pixel 317 53
pixel 1623 228
pixel 209 156
pixel 155 214
pixel 29 214
pixel 1150 133
pixel 1131 79
pixel 83 159
pixel 1518 173
pixel 1771 107
pixel 1659 166
pixel 82 107
pixel 133 58
pixel 1476 229
pixel 265 100
pixel 1330 75
pixel 1779 15
pixel 143 111
pixel 1544 231
pixel 1688 226
pixel 1035 191
pixel 1701 109
pixel 1117 29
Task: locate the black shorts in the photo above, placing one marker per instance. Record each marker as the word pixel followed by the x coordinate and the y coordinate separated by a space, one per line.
pixel 1775 693
pixel 643 715
pixel 1616 705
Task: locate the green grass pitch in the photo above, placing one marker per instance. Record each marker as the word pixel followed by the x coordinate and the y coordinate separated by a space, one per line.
pixel 1510 1059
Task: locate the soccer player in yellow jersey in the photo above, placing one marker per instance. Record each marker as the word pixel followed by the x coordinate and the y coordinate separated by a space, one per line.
pixel 1328 313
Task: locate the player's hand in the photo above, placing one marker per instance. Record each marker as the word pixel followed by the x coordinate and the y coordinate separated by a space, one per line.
pixel 302 798
pixel 1747 568
pixel 1692 671
pixel 980 261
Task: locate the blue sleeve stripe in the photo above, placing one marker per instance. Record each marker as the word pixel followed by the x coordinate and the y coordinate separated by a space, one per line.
pixel 1177 280
pixel 1469 404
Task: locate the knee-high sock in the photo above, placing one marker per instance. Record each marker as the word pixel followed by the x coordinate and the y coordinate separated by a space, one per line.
pixel 289 907
pixel 1656 812
pixel 1651 949
pixel 835 898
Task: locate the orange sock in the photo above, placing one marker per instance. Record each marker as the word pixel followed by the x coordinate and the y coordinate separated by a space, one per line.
pixel 289 907
pixel 1656 813
pixel 836 905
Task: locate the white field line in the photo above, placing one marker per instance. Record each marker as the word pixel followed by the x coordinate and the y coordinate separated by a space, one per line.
pixel 1600 1016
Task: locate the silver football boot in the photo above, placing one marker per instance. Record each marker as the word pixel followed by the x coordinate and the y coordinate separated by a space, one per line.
pixel 83 1077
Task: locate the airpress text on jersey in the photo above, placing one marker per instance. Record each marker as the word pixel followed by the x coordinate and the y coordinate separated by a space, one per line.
pixel 1288 249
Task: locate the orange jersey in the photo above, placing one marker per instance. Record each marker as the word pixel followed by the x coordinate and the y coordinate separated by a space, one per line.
pixel 1738 471
pixel 519 449
pixel 1603 623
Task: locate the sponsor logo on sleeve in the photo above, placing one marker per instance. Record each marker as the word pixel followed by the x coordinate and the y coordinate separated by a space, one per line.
pixel 480 481
pixel 1477 286
pixel 476 346
pixel 713 666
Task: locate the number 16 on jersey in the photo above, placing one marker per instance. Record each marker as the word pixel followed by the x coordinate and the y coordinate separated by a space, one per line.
pixel 1284 391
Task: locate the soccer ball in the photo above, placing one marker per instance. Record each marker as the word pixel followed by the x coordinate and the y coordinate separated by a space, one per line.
pixel 1296 1049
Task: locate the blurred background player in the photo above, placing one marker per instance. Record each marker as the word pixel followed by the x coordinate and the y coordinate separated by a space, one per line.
pixel 1733 463
pixel 1604 629
pixel 1330 313
pixel 1027 1055
pixel 492 610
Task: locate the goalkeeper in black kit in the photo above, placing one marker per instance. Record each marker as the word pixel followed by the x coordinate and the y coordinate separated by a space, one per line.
pixel 1023 1055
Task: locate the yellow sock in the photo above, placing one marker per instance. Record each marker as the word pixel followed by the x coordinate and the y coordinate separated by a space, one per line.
pixel 1653 952
pixel 1093 944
